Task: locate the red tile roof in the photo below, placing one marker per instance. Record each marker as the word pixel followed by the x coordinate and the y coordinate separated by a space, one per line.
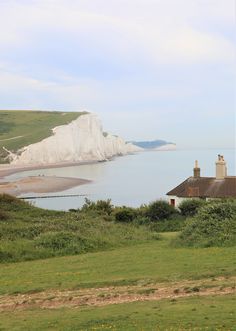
pixel 206 187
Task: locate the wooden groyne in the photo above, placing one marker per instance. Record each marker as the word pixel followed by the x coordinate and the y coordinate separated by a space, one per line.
pixel 53 196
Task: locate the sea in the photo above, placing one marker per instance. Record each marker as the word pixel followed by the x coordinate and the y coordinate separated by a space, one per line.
pixel 130 180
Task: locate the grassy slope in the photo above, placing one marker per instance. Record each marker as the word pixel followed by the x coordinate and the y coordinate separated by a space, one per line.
pixel 33 126
pixel 30 233
pixel 134 258
pixel 153 261
pixel 203 313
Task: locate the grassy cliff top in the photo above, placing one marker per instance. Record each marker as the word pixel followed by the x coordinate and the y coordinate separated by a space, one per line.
pixel 19 128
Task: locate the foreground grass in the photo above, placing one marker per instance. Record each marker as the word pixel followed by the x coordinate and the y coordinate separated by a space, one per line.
pixel 193 313
pixel 21 128
pixel 147 262
pixel 29 233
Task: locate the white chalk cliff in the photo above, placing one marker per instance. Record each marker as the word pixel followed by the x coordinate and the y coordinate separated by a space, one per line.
pixel 80 140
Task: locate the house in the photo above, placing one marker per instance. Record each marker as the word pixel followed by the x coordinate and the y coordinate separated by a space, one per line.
pixel 197 187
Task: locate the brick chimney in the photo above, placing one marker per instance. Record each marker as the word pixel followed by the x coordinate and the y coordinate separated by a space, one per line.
pixel 196 170
pixel 221 169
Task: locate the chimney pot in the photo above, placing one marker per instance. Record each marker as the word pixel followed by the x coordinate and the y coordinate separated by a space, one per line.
pixel 221 169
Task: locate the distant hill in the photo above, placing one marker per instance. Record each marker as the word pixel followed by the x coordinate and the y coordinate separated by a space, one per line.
pixel 20 128
pixel 154 144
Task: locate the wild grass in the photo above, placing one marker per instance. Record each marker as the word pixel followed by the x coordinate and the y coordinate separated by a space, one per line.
pixel 114 254
pixel 140 263
pixel 185 314
pixel 29 233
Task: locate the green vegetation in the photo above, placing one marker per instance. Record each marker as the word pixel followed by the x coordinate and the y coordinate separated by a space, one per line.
pixel 213 225
pixel 160 210
pixel 126 215
pixel 194 313
pixel 21 128
pixel 29 233
pixel 120 255
pixel 190 207
pixel 153 261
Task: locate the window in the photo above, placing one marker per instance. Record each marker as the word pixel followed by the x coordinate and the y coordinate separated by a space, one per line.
pixel 172 202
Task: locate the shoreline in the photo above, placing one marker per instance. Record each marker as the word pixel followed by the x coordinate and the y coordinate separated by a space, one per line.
pixel 39 184
pixel 8 169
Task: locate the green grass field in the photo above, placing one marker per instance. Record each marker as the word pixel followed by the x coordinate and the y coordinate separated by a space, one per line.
pixel 126 267
pixel 154 261
pixel 121 276
pixel 194 313
pixel 21 128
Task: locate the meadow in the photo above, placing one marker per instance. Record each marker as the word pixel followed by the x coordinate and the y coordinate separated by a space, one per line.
pixel 123 275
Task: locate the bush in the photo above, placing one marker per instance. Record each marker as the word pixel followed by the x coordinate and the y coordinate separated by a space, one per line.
pixel 173 224
pixel 3 215
pixel 125 214
pixel 15 204
pixel 100 206
pixel 214 225
pixel 191 207
pixel 160 210
pixel 64 241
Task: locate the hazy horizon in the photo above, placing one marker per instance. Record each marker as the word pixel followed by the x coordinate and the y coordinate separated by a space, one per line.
pixel 149 69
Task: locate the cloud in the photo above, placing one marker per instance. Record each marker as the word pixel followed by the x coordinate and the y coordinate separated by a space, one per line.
pixel 166 35
pixel 162 63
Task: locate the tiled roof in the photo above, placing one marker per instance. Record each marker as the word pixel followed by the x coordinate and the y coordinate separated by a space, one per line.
pixel 206 187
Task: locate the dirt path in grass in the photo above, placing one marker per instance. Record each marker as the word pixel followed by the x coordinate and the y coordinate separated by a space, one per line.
pixel 13 138
pixel 53 299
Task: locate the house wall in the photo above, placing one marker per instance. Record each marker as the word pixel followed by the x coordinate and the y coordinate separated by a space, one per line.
pixel 177 200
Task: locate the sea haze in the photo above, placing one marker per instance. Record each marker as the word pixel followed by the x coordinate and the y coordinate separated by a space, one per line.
pixel 131 180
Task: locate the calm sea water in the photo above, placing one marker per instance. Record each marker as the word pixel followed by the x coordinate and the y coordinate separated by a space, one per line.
pixel 134 179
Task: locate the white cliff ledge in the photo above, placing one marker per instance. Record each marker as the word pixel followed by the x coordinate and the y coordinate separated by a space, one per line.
pixel 80 140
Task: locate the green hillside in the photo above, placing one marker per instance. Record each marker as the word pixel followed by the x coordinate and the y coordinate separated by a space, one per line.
pixel 84 270
pixel 19 128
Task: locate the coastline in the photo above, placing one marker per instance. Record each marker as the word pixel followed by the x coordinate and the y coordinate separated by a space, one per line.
pixel 38 184
pixel 41 184
pixel 8 169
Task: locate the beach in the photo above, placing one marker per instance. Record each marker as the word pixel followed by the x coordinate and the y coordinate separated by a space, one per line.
pixel 37 184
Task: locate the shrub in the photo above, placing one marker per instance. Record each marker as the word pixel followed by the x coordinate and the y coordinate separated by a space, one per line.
pixel 8 201
pixel 3 215
pixel 160 210
pixel 64 241
pixel 100 206
pixel 5 256
pixel 142 220
pixel 191 207
pixel 214 225
pixel 173 224
pixel 125 214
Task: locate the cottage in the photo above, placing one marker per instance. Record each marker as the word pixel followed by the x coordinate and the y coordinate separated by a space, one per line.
pixel 197 187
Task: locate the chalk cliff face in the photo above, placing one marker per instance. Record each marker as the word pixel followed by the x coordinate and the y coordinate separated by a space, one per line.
pixel 80 140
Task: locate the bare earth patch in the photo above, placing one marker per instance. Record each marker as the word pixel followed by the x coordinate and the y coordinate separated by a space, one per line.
pixel 54 299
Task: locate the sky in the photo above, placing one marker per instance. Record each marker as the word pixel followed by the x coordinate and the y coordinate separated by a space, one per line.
pixel 151 69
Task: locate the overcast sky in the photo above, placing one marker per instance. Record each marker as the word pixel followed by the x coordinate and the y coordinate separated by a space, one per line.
pixel 149 68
